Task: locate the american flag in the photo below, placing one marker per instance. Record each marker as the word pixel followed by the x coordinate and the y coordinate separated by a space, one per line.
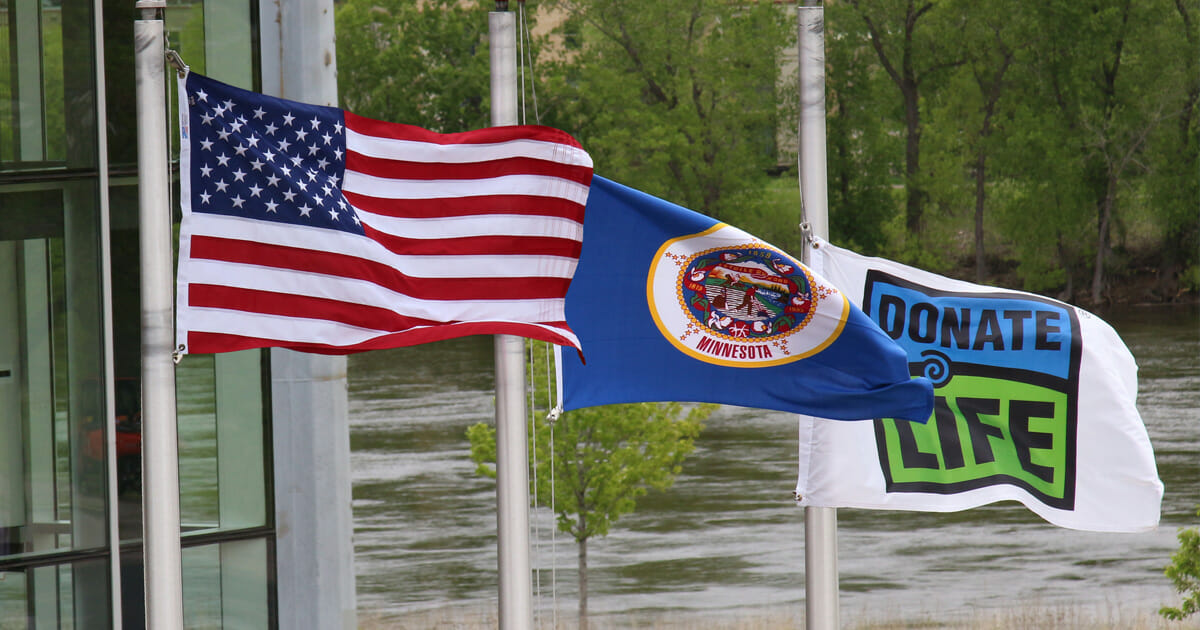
pixel 311 228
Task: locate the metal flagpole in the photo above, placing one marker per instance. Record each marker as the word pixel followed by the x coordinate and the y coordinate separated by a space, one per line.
pixel 820 523
pixel 160 456
pixel 512 465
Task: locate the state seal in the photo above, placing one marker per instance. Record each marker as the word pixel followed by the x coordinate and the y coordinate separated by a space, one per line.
pixel 724 297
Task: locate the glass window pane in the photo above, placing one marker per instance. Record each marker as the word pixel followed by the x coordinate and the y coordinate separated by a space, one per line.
pixel 52 421
pixel 226 585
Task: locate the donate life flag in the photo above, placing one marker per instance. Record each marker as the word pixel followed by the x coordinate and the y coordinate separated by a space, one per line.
pixel 310 228
pixel 1034 403
pixel 671 305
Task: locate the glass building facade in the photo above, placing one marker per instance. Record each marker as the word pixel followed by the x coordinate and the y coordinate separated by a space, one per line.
pixel 70 417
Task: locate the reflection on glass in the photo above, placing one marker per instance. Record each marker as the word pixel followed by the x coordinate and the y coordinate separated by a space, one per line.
pixel 225 585
pixel 196 405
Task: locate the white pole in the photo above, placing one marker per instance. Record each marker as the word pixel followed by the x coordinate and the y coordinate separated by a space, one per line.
pixel 820 523
pixel 512 457
pixel 160 456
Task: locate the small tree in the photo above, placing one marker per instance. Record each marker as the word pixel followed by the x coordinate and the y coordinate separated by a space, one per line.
pixel 604 458
pixel 1184 571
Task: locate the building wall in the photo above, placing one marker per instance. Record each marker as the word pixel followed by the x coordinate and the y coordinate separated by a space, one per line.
pixel 70 491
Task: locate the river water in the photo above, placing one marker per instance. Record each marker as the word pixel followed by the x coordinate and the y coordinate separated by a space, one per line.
pixel 727 538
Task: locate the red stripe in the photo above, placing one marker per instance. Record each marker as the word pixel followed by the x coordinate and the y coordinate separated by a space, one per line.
pixel 489 135
pixel 326 263
pixel 469 206
pixel 289 305
pixel 476 245
pixel 401 169
pixel 206 342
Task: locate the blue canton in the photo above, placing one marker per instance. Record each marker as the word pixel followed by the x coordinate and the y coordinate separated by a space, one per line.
pixel 260 157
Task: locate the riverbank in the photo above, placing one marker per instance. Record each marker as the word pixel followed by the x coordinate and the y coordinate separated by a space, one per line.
pixel 1023 617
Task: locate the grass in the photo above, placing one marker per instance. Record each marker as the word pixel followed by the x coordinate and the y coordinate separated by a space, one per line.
pixel 1023 617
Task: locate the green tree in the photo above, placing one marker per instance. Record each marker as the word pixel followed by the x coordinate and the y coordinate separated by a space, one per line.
pixel 679 98
pixel 421 63
pixel 603 459
pixel 1184 572
pixel 860 141
pixel 906 36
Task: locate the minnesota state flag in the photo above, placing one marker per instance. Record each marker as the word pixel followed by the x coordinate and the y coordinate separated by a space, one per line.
pixel 671 305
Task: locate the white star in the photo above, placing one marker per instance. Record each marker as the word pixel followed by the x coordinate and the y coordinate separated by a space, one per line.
pixel 252 141
pixel 228 104
pixel 337 153
pixel 240 149
pixel 237 124
pixel 206 145
pixel 286 170
pixel 270 128
pixel 312 175
pixel 270 155
pixel 316 122
pixel 337 127
pixel 238 201
pixel 223 159
pixel 271 205
pixel 221 186
pixel 224 133
pixel 289 195
pixel 305 210
pixel 312 149
pixel 284 144
pixel 207 118
pixel 327 138
pixel 334 179
pixel 202 95
pixel 297 161
pixel 302 185
pixel 258 113
pixel 255 190
pixel 205 170
pixel 333 214
pixel 273 180
pixel 219 111
pixel 204 197
pixel 239 175
pixel 354 217
pixel 322 163
pixel 257 164
pixel 288 118
pixel 342 203
pixel 301 135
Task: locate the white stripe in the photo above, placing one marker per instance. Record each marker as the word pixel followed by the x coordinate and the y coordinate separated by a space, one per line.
pixel 337 242
pixel 535 185
pixel 416 151
pixel 307 330
pixel 475 225
pixel 363 292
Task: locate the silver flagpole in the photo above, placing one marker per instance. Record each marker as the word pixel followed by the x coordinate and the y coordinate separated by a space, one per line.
pixel 160 456
pixel 512 457
pixel 820 523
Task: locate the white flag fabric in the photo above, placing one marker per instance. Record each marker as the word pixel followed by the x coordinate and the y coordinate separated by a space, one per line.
pixel 1034 402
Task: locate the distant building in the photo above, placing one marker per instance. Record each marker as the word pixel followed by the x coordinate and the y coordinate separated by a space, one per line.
pixel 254 545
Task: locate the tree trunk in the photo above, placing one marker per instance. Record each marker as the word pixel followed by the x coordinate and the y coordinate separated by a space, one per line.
pixel 980 180
pixel 1106 212
pixel 915 203
pixel 583 585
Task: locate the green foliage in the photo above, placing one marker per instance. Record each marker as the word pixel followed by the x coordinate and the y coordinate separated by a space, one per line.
pixel 677 98
pixel 1184 572
pixel 421 63
pixel 601 458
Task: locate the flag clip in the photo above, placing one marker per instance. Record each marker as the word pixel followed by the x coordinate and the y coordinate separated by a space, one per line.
pixel 553 414
pixel 807 232
pixel 177 356
pixel 176 62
